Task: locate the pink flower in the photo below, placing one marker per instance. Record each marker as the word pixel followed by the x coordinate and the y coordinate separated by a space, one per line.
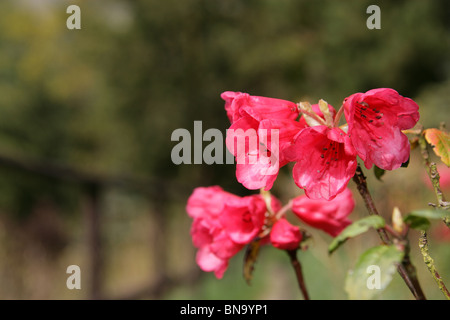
pixel 223 224
pixel 238 104
pixel 205 206
pixel 286 129
pixel 207 202
pixel 256 147
pixel 375 120
pixel 329 216
pixel 243 218
pixel 256 166
pixel 326 161
pixel 284 235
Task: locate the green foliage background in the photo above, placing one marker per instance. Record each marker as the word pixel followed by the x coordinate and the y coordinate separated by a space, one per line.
pixel 105 99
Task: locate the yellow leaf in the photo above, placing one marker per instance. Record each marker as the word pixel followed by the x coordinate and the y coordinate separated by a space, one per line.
pixel 440 140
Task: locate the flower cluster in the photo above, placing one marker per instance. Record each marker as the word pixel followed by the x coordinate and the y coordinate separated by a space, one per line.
pixel 324 153
pixel 224 223
pixel 266 134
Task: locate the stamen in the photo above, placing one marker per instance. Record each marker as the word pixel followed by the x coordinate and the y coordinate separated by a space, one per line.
pixel 363 103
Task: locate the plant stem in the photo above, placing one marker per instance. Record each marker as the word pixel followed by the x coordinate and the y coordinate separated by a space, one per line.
pixel 298 272
pixel 433 174
pixel 423 245
pixel 361 184
pixel 406 270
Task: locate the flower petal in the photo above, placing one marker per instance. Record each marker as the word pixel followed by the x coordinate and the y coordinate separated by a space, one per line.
pixel 256 168
pixel 329 216
pixel 284 235
pixel 239 104
pixel 375 120
pixel 207 202
pixel 243 219
pixel 208 262
pixel 326 161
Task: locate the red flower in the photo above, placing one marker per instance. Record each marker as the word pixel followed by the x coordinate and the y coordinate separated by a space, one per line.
pixel 205 206
pixel 256 147
pixel 243 218
pixel 326 161
pixel 284 235
pixel 375 120
pixel 238 104
pixel 223 224
pixel 329 216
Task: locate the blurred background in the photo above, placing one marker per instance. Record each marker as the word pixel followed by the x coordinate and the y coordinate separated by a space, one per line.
pixel 86 118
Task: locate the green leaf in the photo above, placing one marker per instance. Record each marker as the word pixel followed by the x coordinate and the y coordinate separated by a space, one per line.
pixel 440 140
pixel 356 228
pixel 373 272
pixel 418 223
pixel 378 172
pixel 418 219
pixel 429 213
pixel 251 255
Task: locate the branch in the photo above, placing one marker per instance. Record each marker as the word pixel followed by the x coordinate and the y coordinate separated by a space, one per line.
pixel 298 272
pixel 406 270
pixel 361 184
pixel 433 174
pixel 423 245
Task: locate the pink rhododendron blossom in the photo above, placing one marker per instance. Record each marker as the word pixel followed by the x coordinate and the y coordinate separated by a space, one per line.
pixel 325 161
pixel 223 224
pixel 375 120
pixel 287 131
pixel 284 235
pixel 238 104
pixel 243 218
pixel 207 202
pixel 256 148
pixel 256 166
pixel 329 216
pixel 206 205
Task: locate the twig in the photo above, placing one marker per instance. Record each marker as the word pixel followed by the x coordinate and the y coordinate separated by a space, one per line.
pixel 298 272
pixel 423 245
pixel 406 270
pixel 433 174
pixel 361 184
